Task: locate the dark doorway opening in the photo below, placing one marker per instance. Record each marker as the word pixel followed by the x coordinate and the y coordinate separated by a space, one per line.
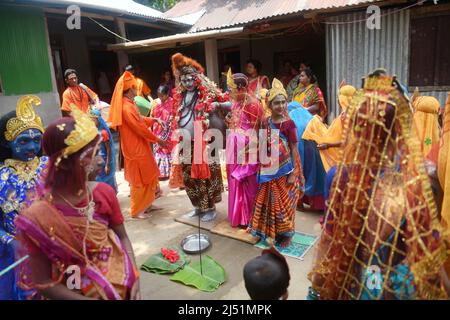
pixel 230 57
pixel 105 72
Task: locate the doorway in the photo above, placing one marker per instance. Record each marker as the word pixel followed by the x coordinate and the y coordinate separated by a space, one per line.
pixel 105 72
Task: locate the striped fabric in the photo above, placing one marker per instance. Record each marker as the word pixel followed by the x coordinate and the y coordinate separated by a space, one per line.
pixel 274 213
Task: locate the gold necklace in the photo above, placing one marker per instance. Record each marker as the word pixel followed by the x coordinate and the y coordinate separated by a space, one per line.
pixel 26 170
pixel 87 210
pixel 238 112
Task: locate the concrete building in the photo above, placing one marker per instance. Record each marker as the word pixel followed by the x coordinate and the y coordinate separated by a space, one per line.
pixel 340 40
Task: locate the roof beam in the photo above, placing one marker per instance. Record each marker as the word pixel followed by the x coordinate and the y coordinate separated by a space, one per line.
pixel 83 14
pixel 174 40
pixel 147 24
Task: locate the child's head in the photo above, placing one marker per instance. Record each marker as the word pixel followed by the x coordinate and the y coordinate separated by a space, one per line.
pixel 267 276
pixel 163 92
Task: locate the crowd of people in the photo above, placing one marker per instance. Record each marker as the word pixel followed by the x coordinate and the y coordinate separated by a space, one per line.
pixel 378 173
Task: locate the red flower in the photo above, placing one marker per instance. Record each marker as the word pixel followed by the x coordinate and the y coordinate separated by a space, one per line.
pixel 171 255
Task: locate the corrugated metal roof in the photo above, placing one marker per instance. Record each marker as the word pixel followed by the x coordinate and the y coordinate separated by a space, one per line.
pixel 353 50
pixel 227 13
pixel 128 7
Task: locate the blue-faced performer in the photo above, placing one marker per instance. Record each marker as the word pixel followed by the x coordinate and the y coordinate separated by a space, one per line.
pixel 21 169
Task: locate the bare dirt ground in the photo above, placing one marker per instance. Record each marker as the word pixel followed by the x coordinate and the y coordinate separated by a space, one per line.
pixel 160 230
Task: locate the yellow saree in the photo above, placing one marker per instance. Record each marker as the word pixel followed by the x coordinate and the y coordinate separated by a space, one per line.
pixel 426 111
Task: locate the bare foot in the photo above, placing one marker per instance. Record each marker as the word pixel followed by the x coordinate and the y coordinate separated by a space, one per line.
pixel 209 216
pixel 152 208
pixel 142 216
pixel 284 242
pixel 193 213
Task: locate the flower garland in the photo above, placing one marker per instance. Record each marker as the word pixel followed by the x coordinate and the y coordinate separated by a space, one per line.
pixel 208 93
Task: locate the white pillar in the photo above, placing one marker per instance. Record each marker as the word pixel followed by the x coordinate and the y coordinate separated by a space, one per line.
pixel 122 57
pixel 50 59
pixel 212 61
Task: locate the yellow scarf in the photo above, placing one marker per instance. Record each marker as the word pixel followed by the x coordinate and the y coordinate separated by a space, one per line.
pixel 444 166
pixel 300 96
pixel 318 132
pixel 426 111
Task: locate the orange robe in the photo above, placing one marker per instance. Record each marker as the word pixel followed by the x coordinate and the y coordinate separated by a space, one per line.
pixel 72 96
pixel 142 88
pixel 141 170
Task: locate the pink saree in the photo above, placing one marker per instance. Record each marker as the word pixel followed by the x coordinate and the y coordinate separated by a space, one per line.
pixel 241 167
pixel 57 232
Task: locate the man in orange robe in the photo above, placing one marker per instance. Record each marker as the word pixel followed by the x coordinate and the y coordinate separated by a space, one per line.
pixel 143 89
pixel 141 170
pixel 77 94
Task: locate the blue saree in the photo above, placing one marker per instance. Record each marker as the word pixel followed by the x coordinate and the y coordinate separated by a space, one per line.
pixel 109 178
pixel 309 154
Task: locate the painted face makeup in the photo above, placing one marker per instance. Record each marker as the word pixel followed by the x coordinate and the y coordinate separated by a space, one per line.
pixel 188 82
pixel 92 162
pixel 27 145
pixel 278 106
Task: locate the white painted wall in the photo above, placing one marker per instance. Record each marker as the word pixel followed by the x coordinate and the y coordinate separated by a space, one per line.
pixel 48 110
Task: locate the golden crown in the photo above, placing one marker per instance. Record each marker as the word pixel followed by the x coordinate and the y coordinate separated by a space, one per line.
pixel 26 118
pixel 85 131
pixel 379 83
pixel 277 89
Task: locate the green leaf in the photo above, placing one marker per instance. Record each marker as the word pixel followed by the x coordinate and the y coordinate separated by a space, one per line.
pixel 213 275
pixel 158 264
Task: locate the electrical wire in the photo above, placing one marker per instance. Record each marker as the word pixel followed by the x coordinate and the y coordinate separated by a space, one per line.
pixel 118 36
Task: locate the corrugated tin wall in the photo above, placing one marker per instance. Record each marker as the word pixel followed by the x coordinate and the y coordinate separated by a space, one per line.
pixel 353 50
pixel 24 62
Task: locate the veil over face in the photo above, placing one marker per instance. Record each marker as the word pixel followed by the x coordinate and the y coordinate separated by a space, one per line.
pixel 381 214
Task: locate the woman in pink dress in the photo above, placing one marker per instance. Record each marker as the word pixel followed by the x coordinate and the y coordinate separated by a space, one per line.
pixel 163 111
pixel 242 163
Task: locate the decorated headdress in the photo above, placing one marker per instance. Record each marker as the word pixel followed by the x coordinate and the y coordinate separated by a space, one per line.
pixel 230 81
pixel 234 81
pixel 182 65
pixel 381 217
pixel 345 95
pixel 84 132
pixel 125 82
pixel 426 104
pixel 277 89
pixel 26 118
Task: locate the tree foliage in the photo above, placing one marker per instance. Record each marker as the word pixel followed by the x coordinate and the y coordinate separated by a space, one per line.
pixel 161 5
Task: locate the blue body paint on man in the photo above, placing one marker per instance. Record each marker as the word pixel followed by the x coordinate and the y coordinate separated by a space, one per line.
pixel 21 170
